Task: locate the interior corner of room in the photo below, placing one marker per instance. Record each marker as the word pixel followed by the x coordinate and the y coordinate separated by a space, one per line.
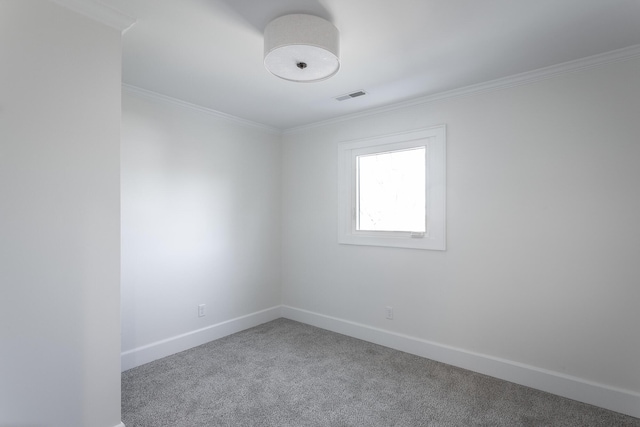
pixel 137 223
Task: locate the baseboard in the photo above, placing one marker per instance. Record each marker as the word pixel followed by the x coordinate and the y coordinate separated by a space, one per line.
pixel 120 425
pixel 148 353
pixel 623 401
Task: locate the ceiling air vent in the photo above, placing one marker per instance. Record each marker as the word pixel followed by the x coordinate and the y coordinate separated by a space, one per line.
pixel 351 95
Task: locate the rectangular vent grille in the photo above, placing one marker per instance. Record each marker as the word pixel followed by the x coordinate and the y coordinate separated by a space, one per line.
pixel 351 95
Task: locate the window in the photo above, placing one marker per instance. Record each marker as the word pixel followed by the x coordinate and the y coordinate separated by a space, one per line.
pixel 392 190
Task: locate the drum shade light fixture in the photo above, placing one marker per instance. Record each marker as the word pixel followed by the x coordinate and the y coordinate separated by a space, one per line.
pixel 301 48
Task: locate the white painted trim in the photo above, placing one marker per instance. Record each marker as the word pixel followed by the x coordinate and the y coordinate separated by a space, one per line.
pixel 99 12
pixel 154 96
pixel 434 141
pixel 525 78
pixel 150 352
pixel 615 399
pixel 120 425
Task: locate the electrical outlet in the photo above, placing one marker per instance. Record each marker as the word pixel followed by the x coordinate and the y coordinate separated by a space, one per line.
pixel 389 312
pixel 201 310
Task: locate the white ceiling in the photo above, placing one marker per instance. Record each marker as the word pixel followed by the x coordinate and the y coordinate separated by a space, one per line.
pixel 210 52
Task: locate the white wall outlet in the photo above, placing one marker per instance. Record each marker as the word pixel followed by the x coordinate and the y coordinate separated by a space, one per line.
pixel 201 310
pixel 389 312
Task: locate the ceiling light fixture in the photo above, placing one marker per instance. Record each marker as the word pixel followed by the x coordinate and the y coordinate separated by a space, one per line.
pixel 301 48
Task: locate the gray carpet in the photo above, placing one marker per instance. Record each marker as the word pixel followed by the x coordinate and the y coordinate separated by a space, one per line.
pixel 285 373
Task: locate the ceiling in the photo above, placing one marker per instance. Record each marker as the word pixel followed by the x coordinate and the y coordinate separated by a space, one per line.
pixel 210 52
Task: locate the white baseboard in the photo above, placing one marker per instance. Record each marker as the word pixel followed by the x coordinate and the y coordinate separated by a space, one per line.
pixel 148 353
pixel 615 399
pixel 619 400
pixel 120 425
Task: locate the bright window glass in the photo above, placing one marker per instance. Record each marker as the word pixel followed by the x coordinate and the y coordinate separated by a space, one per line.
pixel 391 191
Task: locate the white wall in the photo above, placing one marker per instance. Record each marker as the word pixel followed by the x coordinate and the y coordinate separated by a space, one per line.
pixel 543 245
pixel 200 225
pixel 59 218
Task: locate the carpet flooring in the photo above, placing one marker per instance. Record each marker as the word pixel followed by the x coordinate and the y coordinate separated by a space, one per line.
pixel 284 373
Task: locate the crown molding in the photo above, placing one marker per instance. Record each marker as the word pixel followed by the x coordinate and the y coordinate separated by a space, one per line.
pixel 99 12
pixel 155 96
pixel 521 79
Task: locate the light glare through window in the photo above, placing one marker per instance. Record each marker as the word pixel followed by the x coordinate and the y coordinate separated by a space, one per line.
pixel 391 191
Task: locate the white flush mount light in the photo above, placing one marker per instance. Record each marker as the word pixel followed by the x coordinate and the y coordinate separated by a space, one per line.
pixel 301 48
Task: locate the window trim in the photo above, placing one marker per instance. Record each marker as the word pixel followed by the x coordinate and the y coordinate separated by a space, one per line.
pixel 434 140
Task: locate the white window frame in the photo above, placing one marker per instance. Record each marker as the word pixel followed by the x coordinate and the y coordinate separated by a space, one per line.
pixel 434 140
